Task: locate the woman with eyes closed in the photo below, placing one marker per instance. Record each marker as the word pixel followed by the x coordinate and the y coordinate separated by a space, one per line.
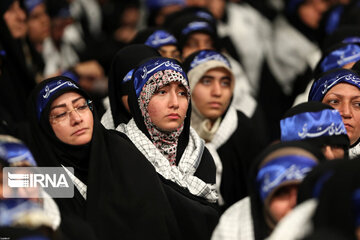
pixel 340 88
pixel 116 189
pixel 228 133
pixel 159 102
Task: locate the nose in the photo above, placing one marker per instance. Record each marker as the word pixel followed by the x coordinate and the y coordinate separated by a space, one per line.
pixel 216 89
pixel 173 100
pixel 75 117
pixel 345 110
pixel 20 13
pixel 293 197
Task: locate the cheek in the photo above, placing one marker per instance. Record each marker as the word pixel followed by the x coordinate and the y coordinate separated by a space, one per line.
pixel 199 96
pixel 61 131
pixel 184 107
pixel 278 208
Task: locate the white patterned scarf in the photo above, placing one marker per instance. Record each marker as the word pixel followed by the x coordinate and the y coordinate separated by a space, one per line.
pixel 183 173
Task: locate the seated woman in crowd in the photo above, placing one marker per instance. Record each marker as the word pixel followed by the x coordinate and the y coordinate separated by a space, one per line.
pixel 275 178
pixel 228 133
pixel 340 88
pixel 159 102
pixel 117 192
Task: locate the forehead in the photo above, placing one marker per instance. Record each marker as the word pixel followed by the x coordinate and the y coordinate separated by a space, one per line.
pixel 38 9
pixel 344 89
pixel 198 36
pixel 65 98
pixel 219 71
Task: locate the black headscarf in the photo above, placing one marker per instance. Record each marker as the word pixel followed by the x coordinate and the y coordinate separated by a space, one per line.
pixel 337 209
pixel 125 60
pixel 124 196
pixel 261 228
pixel 17 82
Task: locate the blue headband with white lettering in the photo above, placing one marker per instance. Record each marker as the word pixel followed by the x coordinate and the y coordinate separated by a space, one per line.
pixel 49 90
pixel 340 57
pixel 160 38
pixel 321 86
pixel 197 26
pixel 148 69
pixel 15 152
pixel 208 55
pixel 327 122
pixel 281 170
pixel 31 4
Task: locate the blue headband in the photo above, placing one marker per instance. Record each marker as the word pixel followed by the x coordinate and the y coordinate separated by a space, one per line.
pixel 13 152
pixel 307 125
pixel 148 69
pixel 205 15
pixel 10 208
pixel 128 76
pixel 356 205
pixel 197 26
pixel 49 90
pixel 208 55
pixel 31 4
pixel 321 86
pixel 160 38
pixel 351 40
pixel 333 19
pixel 340 57
pixel 156 4
pixel 280 170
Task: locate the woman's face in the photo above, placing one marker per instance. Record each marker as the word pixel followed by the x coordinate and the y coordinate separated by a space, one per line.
pixel 196 42
pixel 346 99
pixel 167 107
pixel 311 12
pixel 15 19
pixel 212 93
pixel 283 201
pixel 38 24
pixel 71 119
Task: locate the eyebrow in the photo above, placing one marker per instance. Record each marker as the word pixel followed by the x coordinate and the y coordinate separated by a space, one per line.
pixel 64 105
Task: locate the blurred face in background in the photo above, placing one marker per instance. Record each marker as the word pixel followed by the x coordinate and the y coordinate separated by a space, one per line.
pixel 311 11
pixel 38 24
pixel 15 19
pixel 195 42
pixel 170 51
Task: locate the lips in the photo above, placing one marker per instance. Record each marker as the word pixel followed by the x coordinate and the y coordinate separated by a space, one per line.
pixel 173 116
pixel 79 132
pixel 215 104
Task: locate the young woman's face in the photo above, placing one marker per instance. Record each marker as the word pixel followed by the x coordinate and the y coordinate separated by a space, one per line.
pixel 170 51
pixel 283 201
pixel 15 19
pixel 197 42
pixel 346 99
pixel 312 11
pixel 38 24
pixel 167 107
pixel 212 93
pixel 71 119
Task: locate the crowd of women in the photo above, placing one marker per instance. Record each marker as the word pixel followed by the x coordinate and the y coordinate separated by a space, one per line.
pixel 182 119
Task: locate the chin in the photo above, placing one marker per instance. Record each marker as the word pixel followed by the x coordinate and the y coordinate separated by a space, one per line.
pixel 82 140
